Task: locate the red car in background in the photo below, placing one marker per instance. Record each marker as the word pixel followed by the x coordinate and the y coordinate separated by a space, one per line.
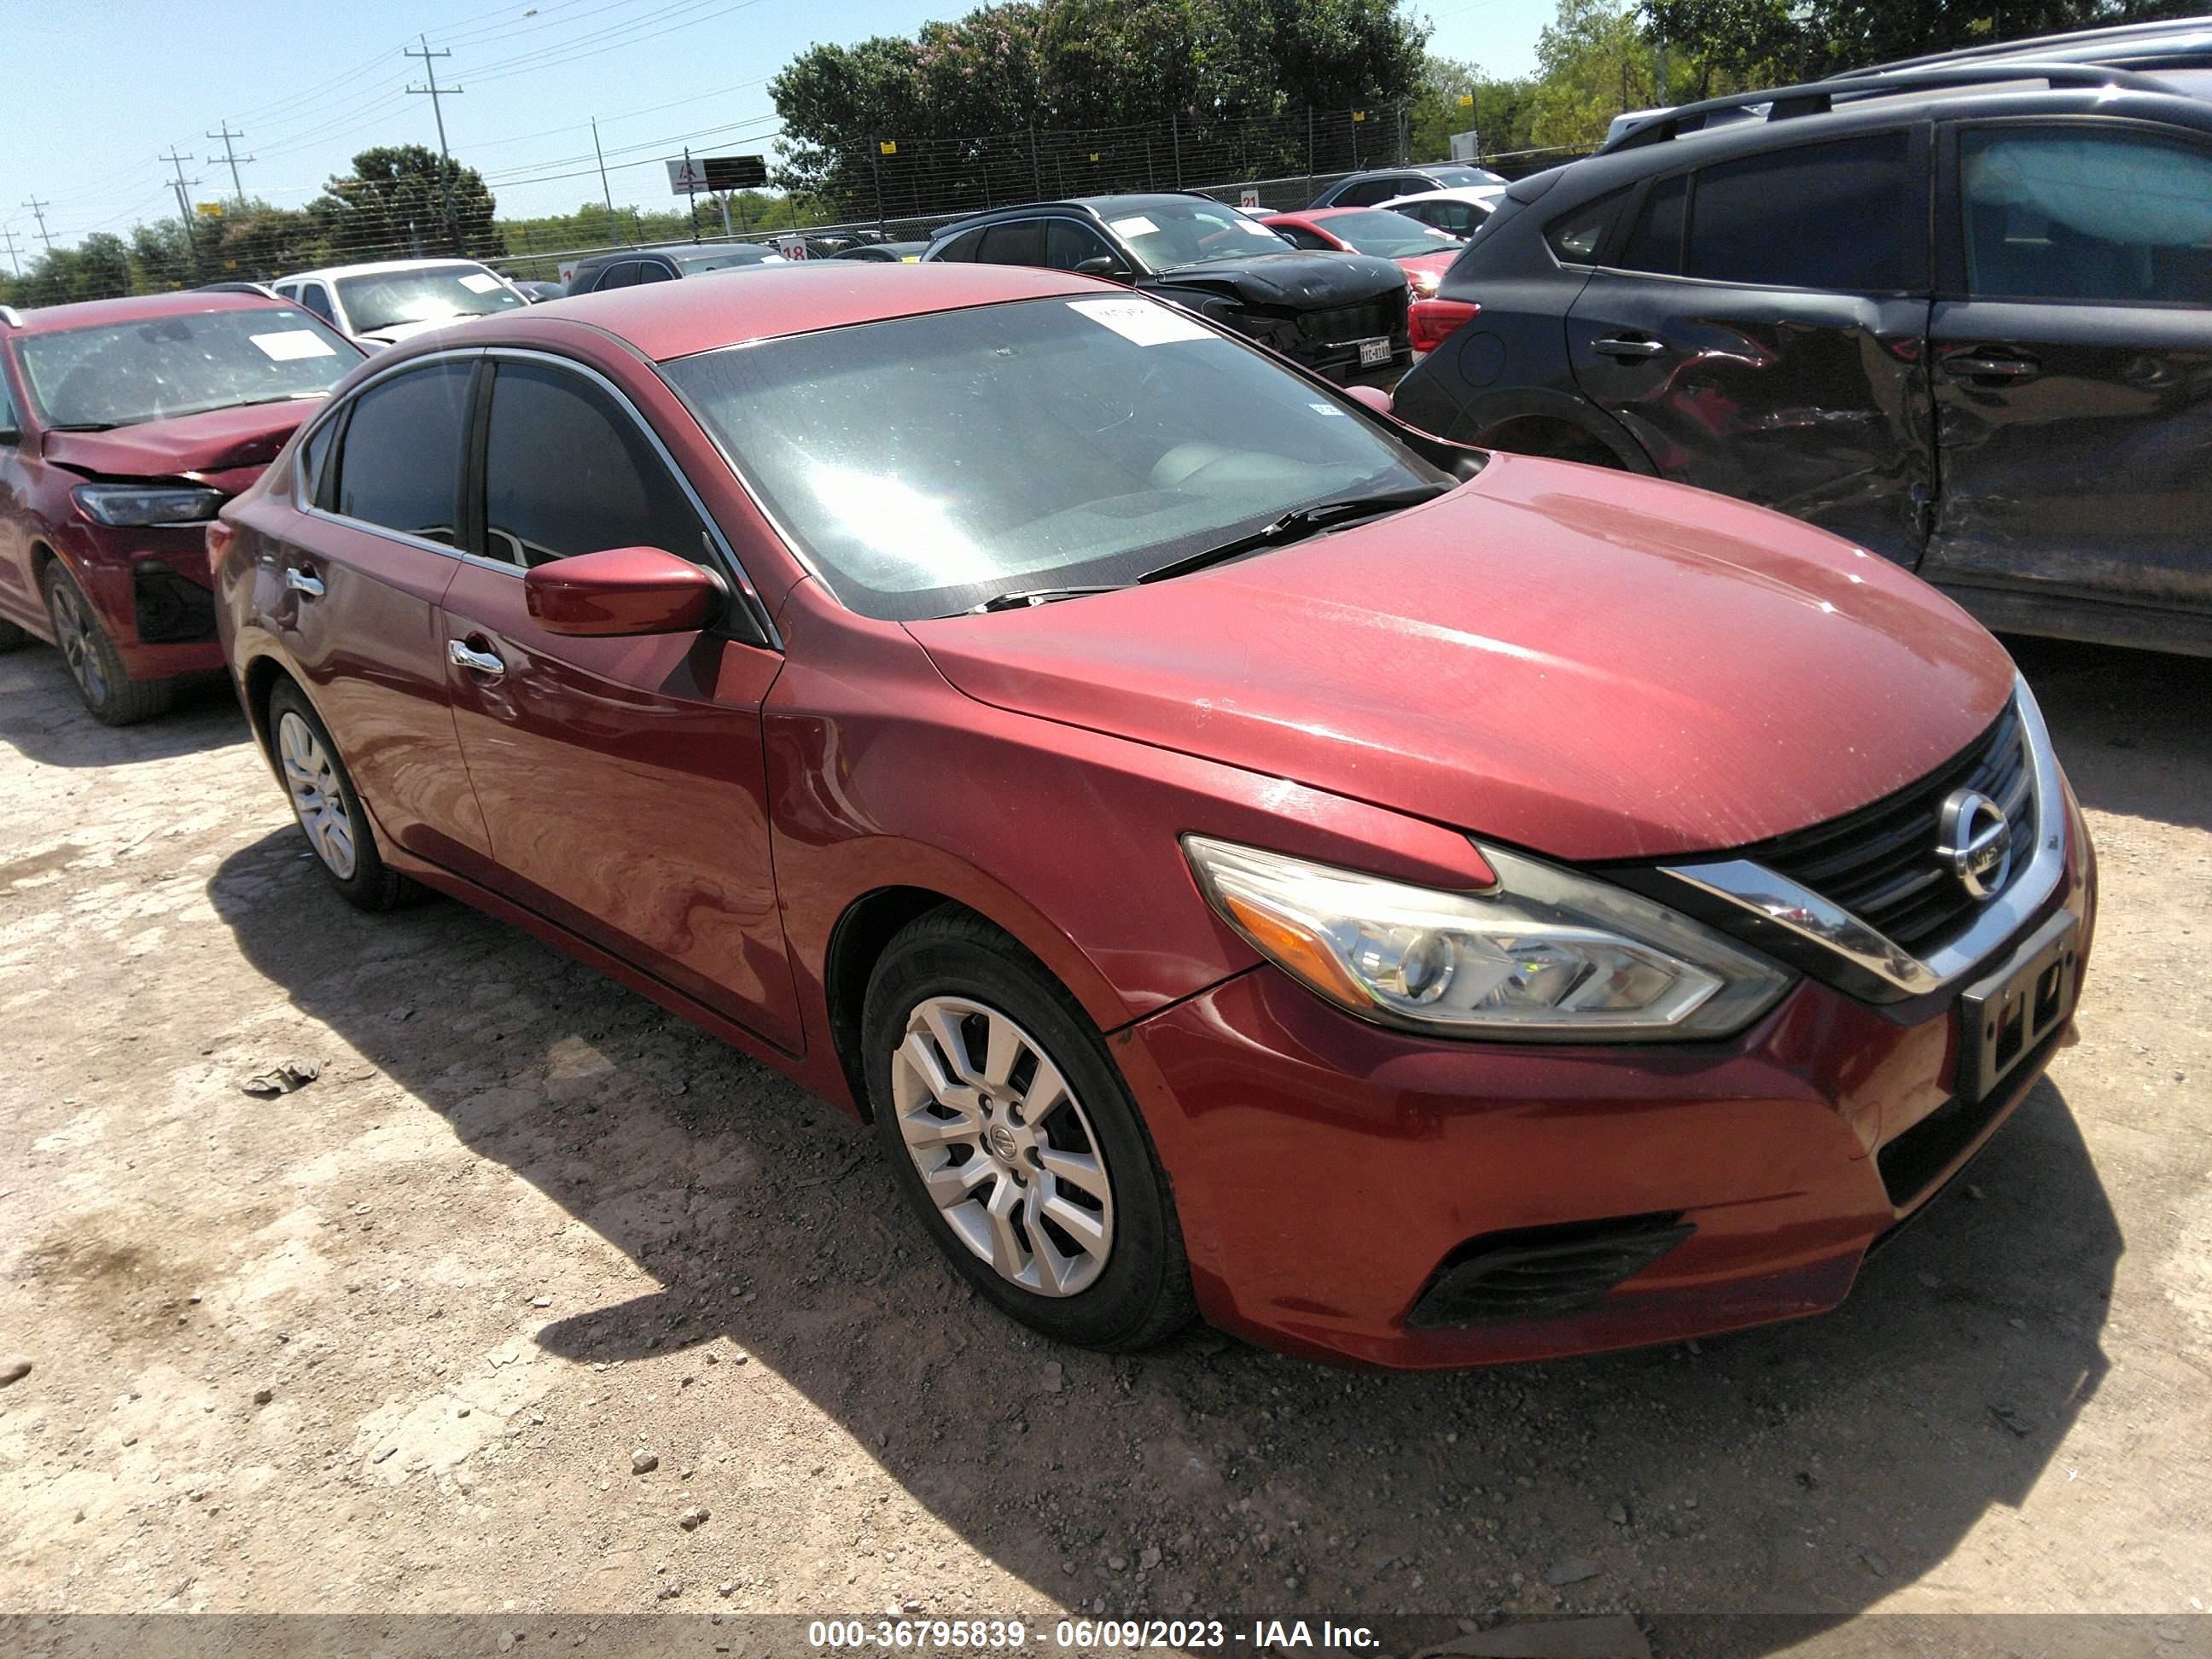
pixel 124 425
pixel 1413 905
pixel 1424 253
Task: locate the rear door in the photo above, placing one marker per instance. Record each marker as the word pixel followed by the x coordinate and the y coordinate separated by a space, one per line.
pixel 351 583
pixel 2072 349
pixel 1760 324
pixel 624 780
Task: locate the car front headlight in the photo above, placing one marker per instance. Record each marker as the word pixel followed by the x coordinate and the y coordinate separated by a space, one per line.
pixel 1546 955
pixel 139 504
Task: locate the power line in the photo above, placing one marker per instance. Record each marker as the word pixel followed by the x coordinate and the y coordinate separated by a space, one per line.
pixel 39 212
pixel 231 156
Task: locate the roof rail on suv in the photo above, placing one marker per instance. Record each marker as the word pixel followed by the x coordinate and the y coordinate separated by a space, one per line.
pixel 1817 98
pixel 2160 44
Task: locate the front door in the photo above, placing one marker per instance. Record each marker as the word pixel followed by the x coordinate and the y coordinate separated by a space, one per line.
pixel 2073 361
pixel 1760 326
pixel 624 780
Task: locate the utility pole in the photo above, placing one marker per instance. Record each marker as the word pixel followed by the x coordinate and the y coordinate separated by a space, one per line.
pixel 231 156
pixel 15 265
pixel 606 190
pixel 39 212
pixel 435 92
pixel 181 183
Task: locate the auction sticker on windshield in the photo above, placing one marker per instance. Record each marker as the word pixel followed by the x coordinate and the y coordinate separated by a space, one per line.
pixel 1141 320
pixel 1135 225
pixel 292 344
pixel 478 282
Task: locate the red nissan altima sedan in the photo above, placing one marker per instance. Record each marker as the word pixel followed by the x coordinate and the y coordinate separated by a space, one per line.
pixel 1404 904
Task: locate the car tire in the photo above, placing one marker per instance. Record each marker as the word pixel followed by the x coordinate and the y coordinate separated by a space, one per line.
pixel 1060 1214
pixel 95 668
pixel 328 806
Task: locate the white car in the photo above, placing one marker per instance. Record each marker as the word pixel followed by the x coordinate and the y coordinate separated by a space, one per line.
pixel 381 304
pixel 1455 212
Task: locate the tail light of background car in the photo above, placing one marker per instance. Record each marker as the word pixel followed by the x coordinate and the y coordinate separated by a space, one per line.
pixel 1431 322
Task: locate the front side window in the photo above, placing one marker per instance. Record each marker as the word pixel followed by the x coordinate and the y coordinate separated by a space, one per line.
pixel 10 428
pixel 317 298
pixel 400 465
pixel 2052 214
pixel 1166 235
pixel 566 471
pixel 927 463
pixel 651 270
pixel 961 248
pixel 439 294
pixel 1298 236
pixel 1067 244
pixel 1848 215
pixel 313 454
pixel 88 379
pixel 622 274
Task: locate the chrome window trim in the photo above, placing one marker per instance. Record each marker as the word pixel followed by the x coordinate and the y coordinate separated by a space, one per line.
pixel 1776 900
pixel 746 593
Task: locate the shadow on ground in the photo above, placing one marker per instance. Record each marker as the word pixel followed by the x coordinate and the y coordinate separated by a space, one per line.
pixel 2133 727
pixel 1815 1468
pixel 42 718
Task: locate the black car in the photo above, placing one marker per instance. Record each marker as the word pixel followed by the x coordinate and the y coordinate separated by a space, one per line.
pixel 1960 315
pixel 622 267
pixel 1381 184
pixel 1342 315
pixel 884 252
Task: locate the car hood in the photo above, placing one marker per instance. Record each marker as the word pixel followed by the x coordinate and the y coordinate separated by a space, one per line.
pixel 224 448
pixel 1293 281
pixel 1587 663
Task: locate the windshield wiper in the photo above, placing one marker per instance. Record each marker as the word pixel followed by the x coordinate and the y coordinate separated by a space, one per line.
pixel 84 426
pixel 1295 526
pixel 1023 598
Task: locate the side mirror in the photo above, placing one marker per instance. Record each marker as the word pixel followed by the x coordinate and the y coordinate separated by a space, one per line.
pixel 623 590
pixel 1373 396
pixel 1102 264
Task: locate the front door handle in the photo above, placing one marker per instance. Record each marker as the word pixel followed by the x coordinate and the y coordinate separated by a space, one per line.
pixel 301 581
pixel 1613 346
pixel 1971 366
pixel 483 662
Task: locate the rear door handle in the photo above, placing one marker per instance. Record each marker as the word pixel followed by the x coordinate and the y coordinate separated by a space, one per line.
pixel 483 662
pixel 1971 366
pixel 301 581
pixel 1613 346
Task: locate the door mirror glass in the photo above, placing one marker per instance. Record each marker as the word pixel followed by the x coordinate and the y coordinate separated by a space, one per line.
pixel 1373 396
pixel 1103 264
pixel 622 590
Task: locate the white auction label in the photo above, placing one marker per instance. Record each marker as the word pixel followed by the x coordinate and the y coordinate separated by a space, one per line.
pixel 293 342
pixel 477 281
pixel 1135 225
pixel 1141 321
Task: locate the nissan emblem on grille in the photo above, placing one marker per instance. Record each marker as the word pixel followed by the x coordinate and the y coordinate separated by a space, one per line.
pixel 1974 841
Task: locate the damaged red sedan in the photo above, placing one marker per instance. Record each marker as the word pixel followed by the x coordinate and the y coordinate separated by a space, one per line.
pixel 124 425
pixel 1405 905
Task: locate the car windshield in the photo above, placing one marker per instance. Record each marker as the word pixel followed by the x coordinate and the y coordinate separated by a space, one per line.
pixel 164 367
pixel 1166 234
pixel 928 464
pixel 1388 235
pixel 436 295
pixel 1463 178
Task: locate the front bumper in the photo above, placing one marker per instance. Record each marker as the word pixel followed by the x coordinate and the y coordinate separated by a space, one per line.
pixel 1329 1172
pixel 154 591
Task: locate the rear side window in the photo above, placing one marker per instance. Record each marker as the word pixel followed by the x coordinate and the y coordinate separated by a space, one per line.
pixel 568 471
pixel 1656 244
pixel 2120 217
pixel 1021 243
pixel 1577 235
pixel 400 466
pixel 1847 215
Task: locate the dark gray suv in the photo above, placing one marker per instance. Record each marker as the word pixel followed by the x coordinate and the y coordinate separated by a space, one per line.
pixel 1961 315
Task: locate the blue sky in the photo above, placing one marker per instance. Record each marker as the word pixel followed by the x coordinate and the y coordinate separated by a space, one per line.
pixel 99 91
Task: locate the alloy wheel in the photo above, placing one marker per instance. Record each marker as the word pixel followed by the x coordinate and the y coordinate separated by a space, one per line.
pixel 312 782
pixel 73 633
pixel 1003 1147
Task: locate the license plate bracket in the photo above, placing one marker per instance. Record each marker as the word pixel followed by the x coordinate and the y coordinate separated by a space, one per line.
pixel 1373 353
pixel 2004 1016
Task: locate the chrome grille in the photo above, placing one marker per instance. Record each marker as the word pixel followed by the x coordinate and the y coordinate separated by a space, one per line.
pixel 1879 864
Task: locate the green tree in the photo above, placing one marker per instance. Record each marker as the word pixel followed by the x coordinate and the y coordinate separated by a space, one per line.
pixel 400 202
pixel 1449 101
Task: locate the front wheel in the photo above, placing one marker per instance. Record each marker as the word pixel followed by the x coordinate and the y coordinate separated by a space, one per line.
pixel 1012 1134
pixel 114 697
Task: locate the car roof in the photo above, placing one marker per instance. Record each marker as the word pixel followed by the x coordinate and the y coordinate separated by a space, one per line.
pixel 679 251
pixel 667 320
pixel 374 266
pixel 1099 206
pixel 139 307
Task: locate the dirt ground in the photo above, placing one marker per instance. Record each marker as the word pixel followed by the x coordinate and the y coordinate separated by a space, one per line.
pixel 389 1343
